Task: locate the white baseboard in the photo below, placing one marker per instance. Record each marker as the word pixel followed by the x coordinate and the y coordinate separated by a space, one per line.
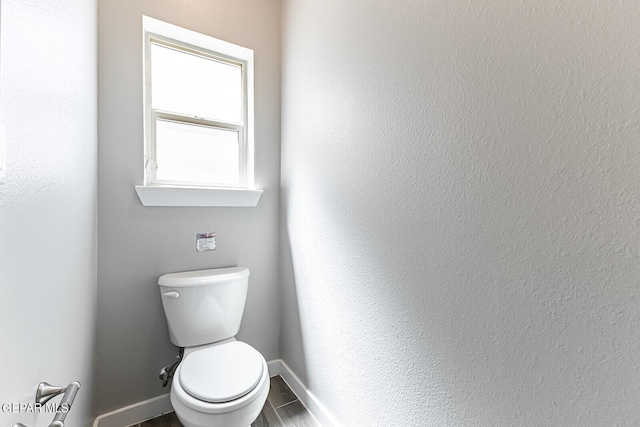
pixel 152 408
pixel 313 405
pixel 136 413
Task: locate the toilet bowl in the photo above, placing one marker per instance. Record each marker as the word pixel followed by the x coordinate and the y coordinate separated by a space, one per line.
pixel 234 402
pixel 221 382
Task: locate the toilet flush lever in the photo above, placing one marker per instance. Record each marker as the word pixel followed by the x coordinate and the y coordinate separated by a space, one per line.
pixel 172 294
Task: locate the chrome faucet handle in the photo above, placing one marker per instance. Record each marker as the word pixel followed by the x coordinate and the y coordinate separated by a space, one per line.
pixel 47 392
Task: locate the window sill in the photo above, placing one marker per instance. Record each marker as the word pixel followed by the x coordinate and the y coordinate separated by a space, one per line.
pixel 195 196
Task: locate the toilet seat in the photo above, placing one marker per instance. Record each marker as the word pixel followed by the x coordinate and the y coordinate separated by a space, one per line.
pixel 188 406
pixel 222 373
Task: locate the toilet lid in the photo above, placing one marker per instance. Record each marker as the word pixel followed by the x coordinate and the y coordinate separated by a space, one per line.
pixel 221 373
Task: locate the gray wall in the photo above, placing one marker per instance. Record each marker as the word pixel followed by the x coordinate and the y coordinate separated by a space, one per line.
pixel 48 203
pixel 138 244
pixel 461 193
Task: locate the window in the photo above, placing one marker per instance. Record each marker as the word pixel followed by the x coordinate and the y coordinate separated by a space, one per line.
pixel 198 111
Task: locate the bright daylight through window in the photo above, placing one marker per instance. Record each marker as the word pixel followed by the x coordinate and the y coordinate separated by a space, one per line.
pixel 198 106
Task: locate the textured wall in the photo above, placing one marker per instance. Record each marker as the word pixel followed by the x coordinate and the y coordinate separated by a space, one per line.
pixel 139 244
pixel 48 203
pixel 461 194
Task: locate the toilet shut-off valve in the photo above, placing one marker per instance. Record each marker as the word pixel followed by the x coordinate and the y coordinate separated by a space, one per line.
pixel 167 372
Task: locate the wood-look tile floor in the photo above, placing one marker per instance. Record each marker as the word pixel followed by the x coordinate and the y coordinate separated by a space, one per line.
pixel 282 409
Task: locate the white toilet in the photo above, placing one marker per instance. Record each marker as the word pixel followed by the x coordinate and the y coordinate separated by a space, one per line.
pixel 220 382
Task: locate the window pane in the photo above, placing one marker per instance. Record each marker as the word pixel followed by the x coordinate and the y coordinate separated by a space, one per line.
pixel 193 85
pixel 197 154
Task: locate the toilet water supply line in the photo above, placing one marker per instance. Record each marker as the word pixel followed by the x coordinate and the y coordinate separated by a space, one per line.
pixel 167 372
pixel 46 392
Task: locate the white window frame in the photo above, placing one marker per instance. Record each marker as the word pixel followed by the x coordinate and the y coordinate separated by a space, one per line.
pixel 162 33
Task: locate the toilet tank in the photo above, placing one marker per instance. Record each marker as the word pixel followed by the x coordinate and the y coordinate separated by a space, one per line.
pixel 204 306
